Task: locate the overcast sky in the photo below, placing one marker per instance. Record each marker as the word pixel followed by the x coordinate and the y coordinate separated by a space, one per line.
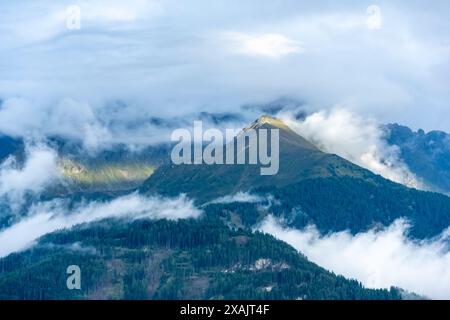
pixel 386 59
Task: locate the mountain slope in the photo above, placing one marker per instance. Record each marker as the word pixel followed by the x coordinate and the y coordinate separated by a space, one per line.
pixel 426 154
pixel 188 259
pixel 317 188
pixel 299 160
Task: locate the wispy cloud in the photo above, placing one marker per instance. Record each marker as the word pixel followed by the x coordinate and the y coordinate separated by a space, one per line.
pixel 50 216
pixel 378 258
pixel 270 45
pixel 49 19
pixel 239 197
pixel 356 138
pixel 38 171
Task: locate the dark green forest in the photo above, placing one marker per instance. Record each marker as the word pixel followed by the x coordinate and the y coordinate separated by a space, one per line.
pixel 345 203
pixel 220 256
pixel 185 259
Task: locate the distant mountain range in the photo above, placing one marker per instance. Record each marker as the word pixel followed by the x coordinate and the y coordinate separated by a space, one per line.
pixel 426 154
pixel 188 259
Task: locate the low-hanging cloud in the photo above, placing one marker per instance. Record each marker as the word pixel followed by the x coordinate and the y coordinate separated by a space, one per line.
pixel 39 170
pixel 270 45
pixel 169 57
pixel 68 118
pixel 46 217
pixel 378 258
pixel 239 197
pixel 103 125
pixel 355 138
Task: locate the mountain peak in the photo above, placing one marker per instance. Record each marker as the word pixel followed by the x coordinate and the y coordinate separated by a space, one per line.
pixel 268 120
pixel 299 160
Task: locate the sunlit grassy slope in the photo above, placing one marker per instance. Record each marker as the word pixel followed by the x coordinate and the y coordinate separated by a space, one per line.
pixel 105 173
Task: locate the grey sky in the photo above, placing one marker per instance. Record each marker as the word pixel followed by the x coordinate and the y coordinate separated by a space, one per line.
pixel 169 58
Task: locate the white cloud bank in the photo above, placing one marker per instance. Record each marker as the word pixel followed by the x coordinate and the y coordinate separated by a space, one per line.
pixel 379 259
pixel 239 197
pixel 69 118
pixel 39 170
pixel 269 45
pixel 55 215
pixel 355 138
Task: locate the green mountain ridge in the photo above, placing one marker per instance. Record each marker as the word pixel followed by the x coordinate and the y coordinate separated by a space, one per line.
pixel 299 160
pixel 329 191
pixel 105 175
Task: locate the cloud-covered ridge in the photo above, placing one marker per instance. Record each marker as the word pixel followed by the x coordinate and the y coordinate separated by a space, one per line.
pixel 355 138
pixel 39 170
pixel 50 216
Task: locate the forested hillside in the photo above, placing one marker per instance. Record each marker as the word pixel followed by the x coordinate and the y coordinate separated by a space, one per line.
pixel 188 259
